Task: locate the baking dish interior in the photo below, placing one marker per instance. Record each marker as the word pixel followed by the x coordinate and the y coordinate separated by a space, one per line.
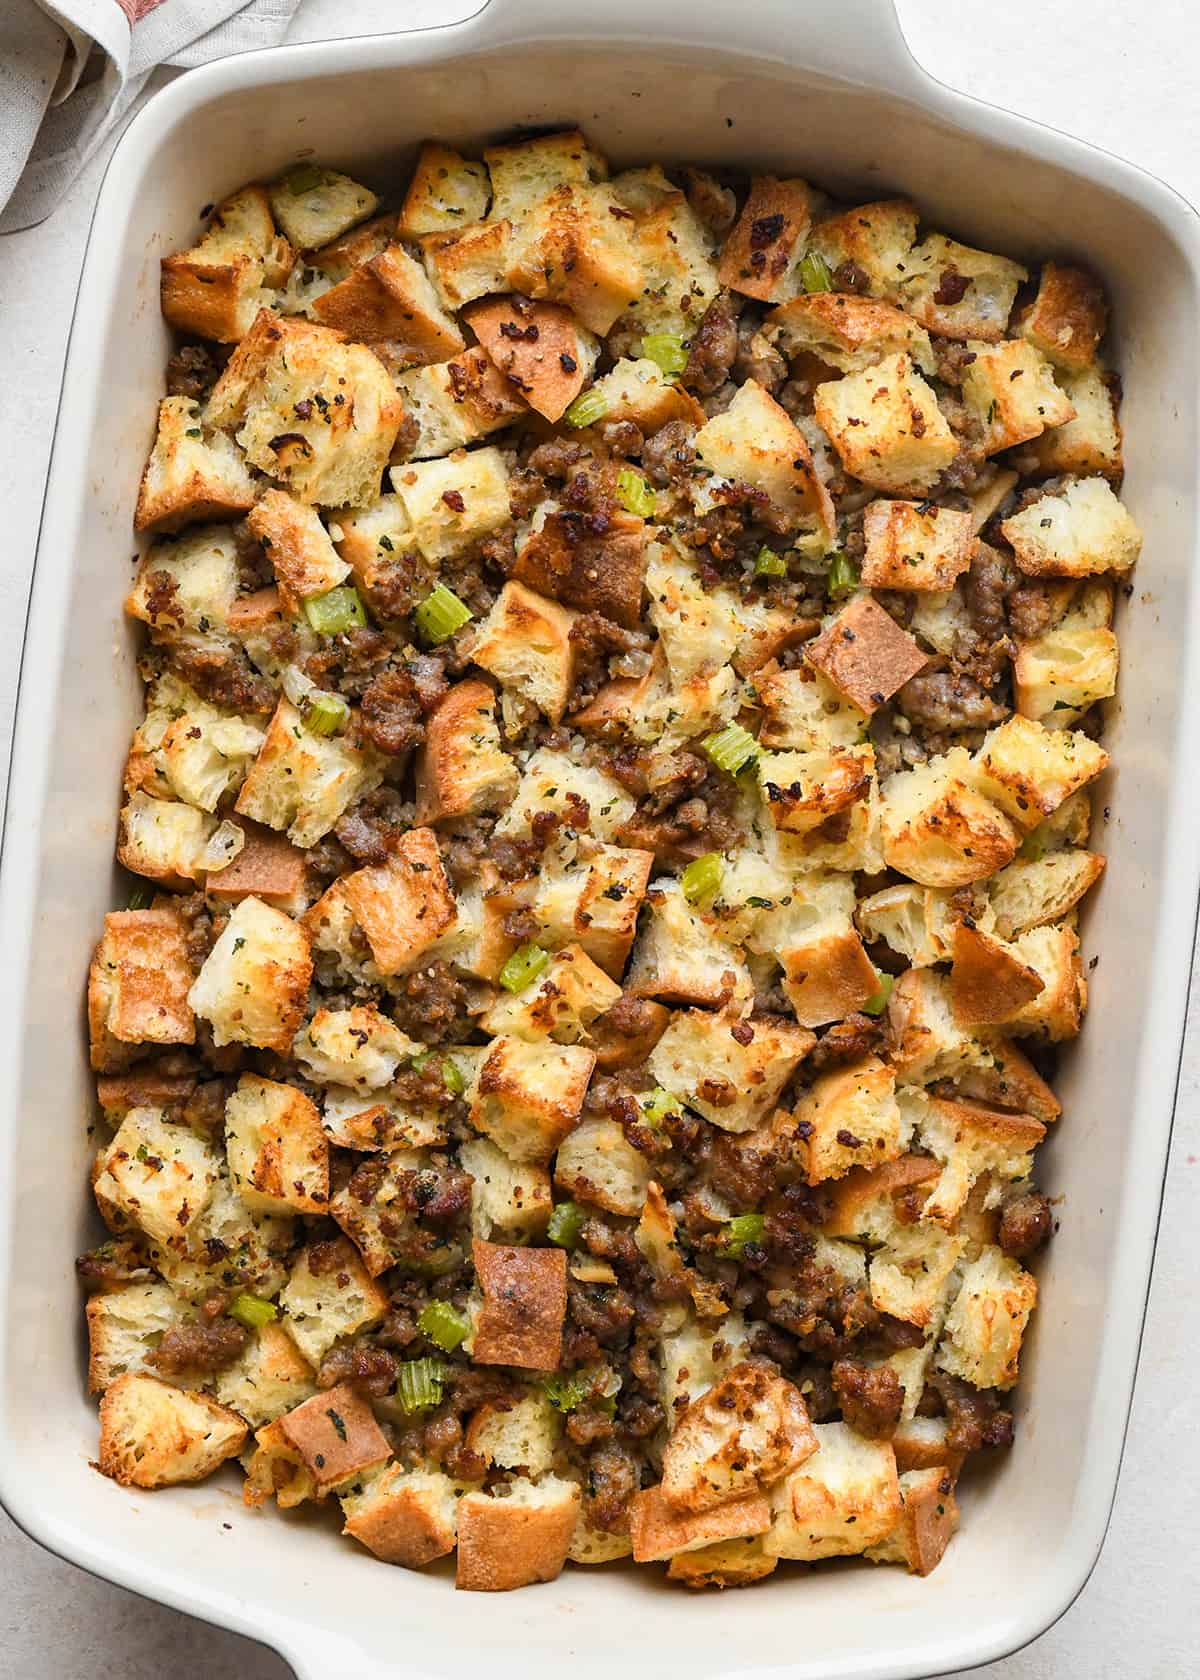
pixel 1031 1528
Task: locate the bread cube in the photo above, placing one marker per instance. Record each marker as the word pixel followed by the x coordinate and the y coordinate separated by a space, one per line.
pixel 698 628
pixel 702 1059
pixel 376 541
pixel 804 712
pixel 407 1517
pixel 802 790
pixel 910 545
pixel 1029 894
pixel 355 1047
pixel 227 1246
pixel 1055 1012
pixel 971 1140
pixel 761 253
pixel 846 332
pixel 989 982
pixel 560 1004
pixel 1060 675
pixel 962 293
pixel 921 1443
pixel 659 1530
pixel 275 1470
pixel 914 921
pixel 877 239
pixel 278 1153
pixel 539 347
pixel 335 1434
pixel 595 572
pixel 596 1545
pixel 190 750
pixel 299 547
pixel 185 588
pixel 569 248
pixel 695 1355
pixel 1091 442
pixel 849 1118
pixel 446 191
pixel 596 1163
pixel 939 828
pixel 675 250
pixel 524 172
pixel 925 1042
pixel 886 426
pixel 1009 388
pixel 155 1175
pixel 865 654
pixel 476 484
pixel 190 477
pixel 928 1521
pixel 309 410
pixel 525 642
pixel 1029 770
pixel 340 1299
pixel 377 1121
pixel 746 1432
pixel 216 288
pixel 827 974
pixel 125 1326
pixel 527 1097
pixel 379 1218
pixel 1078 531
pixel 867 1203
pixel 469 264
pixel 254 982
pixel 516 1535
pixel 270 1378
pixel 594 902
pixel 726 1563
pixel 390 297
pixel 404 905
pixel 267 867
pixel 1067 318
pixel 767 633
pixel 987 1320
pixel 524 1437
pixel 314 205
pixel 524 1302
pixel 756 442
pixel 843 1499
pixel 553 782
pixel 510 1200
pixel 638 390
pixel 138 985
pixel 680 959
pixel 153 1435
pixel 455 403
pixel 911 1275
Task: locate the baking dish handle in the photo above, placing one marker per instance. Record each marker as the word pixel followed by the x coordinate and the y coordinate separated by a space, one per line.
pixel 851 40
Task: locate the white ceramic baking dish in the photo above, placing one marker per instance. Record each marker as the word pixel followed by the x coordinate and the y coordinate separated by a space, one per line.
pixel 826 89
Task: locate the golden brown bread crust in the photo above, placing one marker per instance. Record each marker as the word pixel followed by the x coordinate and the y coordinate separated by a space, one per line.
pixel 865 654
pixel 988 983
pixel 524 1304
pixel 659 1530
pixel 267 867
pixel 335 1434
pixel 502 1545
pixel 404 905
pixel 536 346
pixel 596 573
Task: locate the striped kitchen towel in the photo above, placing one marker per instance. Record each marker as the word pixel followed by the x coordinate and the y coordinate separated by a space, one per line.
pixel 70 69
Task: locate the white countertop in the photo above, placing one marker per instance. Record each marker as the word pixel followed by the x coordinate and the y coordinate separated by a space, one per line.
pixel 1117 74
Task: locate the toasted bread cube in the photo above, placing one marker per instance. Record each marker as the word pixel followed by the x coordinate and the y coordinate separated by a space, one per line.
pixel 525 1436
pixel 270 1378
pixel 846 332
pixel 850 1118
pixel 338 1300
pixel 447 191
pixel 267 867
pixel 1077 532
pixel 1055 1012
pixel 866 1204
pixel 925 1041
pixel 275 1470
pixel 570 248
pixel 921 1443
pixel 469 264
pixel 254 981
pixel 939 828
pixel 1063 673
pixel 514 1538
pixel 911 545
pixel 524 1302
pixel 524 172
pixel 843 1499
pixel 314 206
pixel 928 1521
pixel 278 1153
pixel 377 542
pixel 335 1434
pixel 942 302
pixel 698 629
pixel 216 288
pixel 827 974
pixel 225 1246
pixel 695 1355
pixel 675 250
pixel 596 1163
pixel 155 1175
pixel 525 642
pixel 125 1326
pixel 455 403
pixel 804 712
pixel 1030 894
pixel 701 1059
pixel 1010 390
pixel 912 1274
pixel 679 958
pixel 184 589
pixel 768 632
pixel 594 902
pixel 476 484
pixel 539 347
pixel 970 1140
pixel 527 1097
pixel 802 790
pixel 561 1003
pixel 597 573
pixel 876 238
pixel 391 297
pixel 552 781
pixel 637 390
pixel 865 654
pixel 510 1200
pixel 1030 771
pixel 407 1517
pixel 914 921
pixel 138 985
pixel 746 1432
pixel 596 1545
pixel 298 546
pixel 1092 441
pixel 194 752
pixel 660 1530
pixel 886 426
pixel 355 1047
pixel 989 982
pixel 1067 318
pixel 190 477
pixel 404 905
pixel 301 782
pixel 987 1321
pixel 315 413
pixel 379 1121
pixel 767 241
pixel 153 1435
pixel 726 1563
pixel 756 442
